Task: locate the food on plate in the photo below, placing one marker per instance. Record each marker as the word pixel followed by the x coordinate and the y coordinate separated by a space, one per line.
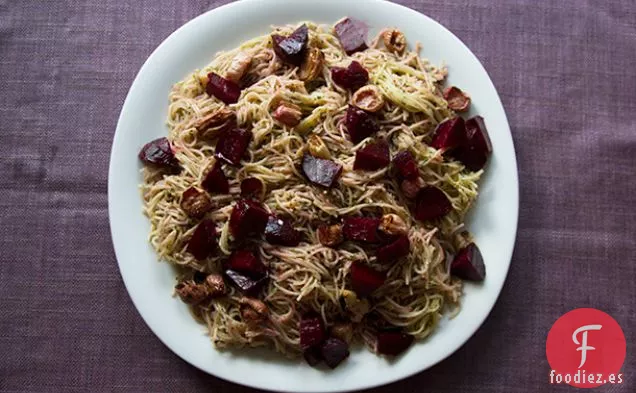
pixel 312 191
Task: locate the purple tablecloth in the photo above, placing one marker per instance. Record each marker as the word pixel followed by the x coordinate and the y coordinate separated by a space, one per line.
pixel 565 71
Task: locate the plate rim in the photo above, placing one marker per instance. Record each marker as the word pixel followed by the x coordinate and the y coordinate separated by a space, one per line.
pixel 249 383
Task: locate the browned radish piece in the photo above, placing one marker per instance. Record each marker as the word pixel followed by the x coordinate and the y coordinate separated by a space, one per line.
pixel 457 99
pixel 291 49
pixel 288 114
pixel 343 331
pixel 202 243
pixel 210 126
pixel 469 264
pixel 353 77
pixel 223 89
pixel 195 203
pixel 372 157
pixel 246 262
pixel 393 343
pixel 360 124
pixel 364 279
pixel 393 225
pixel 368 98
pixel 394 251
pixel 431 203
pixel 394 41
pixel 449 134
pixel 281 232
pixel 253 310
pixel 248 217
pixel 159 154
pixel 311 67
pixel 405 165
pixel 330 235
pixel 362 229
pixel 232 145
pixel 477 147
pixel 215 284
pixel 334 351
pixel 239 65
pixel 215 181
pixel 191 292
pixel 320 171
pixel 245 284
pixel 352 34
pixel 252 188
pixel 317 147
pixel 312 331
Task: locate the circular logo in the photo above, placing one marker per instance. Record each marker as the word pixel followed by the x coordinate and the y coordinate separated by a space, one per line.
pixel 585 348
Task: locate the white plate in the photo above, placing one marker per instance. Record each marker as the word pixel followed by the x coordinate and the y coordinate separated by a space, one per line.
pixel 494 219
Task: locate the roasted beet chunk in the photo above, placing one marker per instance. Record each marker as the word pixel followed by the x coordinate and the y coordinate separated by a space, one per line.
pixel 405 166
pixel 252 188
pixel 312 356
pixel 195 203
pixel 449 134
pixel 279 231
pixel 158 153
pixel 202 243
pixel 364 279
pixel 476 149
pixel 248 217
pixel 469 264
pixel 232 145
pixel 360 124
pixel 246 262
pixel 362 229
pixel 393 343
pixel 431 203
pixel 292 48
pixel 372 157
pixel 394 251
pixel 245 284
pixel 312 331
pixel 223 89
pixel 352 34
pixel 334 351
pixel 215 181
pixel 320 171
pixel 353 77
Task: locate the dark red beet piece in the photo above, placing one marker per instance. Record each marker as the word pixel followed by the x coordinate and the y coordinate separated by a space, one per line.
pixel 372 157
pixel 431 203
pixel 215 181
pixel 362 229
pixel 245 284
pixel 449 134
pixel 279 231
pixel 248 217
pixel 223 89
pixel 232 145
pixel 360 124
pixel 312 331
pixel 251 188
pixel 202 243
pixel 320 171
pixel 334 351
pixel 291 49
pixel 393 343
pixel 364 279
pixel 353 77
pixel 352 34
pixel 394 251
pixel 476 149
pixel 312 356
pixel 405 166
pixel 158 153
pixel 245 262
pixel 469 264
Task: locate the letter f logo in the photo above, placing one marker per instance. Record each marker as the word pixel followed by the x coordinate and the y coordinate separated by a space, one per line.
pixel 584 347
